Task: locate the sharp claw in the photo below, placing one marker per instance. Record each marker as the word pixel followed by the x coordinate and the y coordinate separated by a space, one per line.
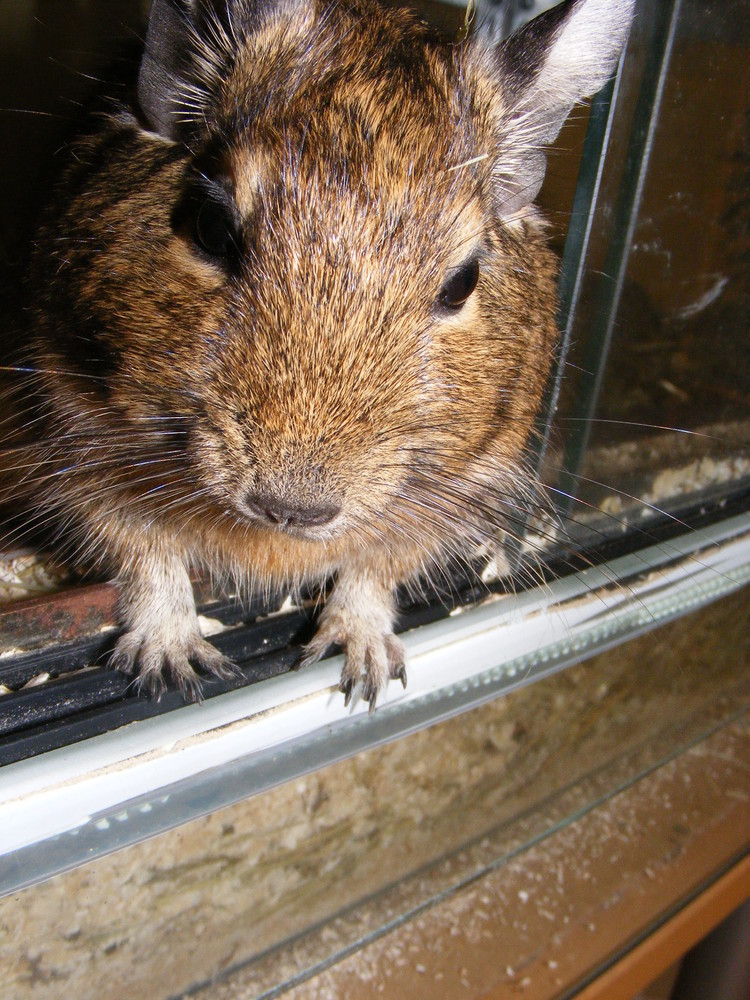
pixel 191 690
pixel 153 684
pixel 124 656
pixel 346 687
pixel 370 694
pixel 400 673
pixel 122 662
pixel 227 669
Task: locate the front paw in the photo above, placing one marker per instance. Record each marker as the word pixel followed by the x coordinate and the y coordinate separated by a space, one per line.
pixel 153 656
pixel 372 655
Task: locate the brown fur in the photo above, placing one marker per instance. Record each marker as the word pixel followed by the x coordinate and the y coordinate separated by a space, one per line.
pixel 318 368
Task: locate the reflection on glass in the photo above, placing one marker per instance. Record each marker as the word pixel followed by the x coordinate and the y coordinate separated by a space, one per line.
pixel 655 392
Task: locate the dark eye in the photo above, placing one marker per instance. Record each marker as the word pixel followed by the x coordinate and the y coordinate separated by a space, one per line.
pixel 459 285
pixel 215 229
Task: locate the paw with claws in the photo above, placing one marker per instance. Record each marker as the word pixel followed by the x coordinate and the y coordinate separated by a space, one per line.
pixel 359 617
pixel 153 657
pixel 163 637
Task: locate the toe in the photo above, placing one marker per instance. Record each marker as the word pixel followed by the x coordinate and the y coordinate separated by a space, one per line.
pixel 125 653
pixel 209 659
pixel 370 693
pixel 190 686
pixel 346 687
pixel 227 669
pixel 151 683
pixel 398 673
pixel 316 649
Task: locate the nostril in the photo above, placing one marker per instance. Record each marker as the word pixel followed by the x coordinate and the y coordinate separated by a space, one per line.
pixel 283 514
pixel 273 514
pixel 317 517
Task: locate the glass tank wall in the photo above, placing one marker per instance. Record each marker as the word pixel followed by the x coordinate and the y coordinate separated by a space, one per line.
pixel 654 391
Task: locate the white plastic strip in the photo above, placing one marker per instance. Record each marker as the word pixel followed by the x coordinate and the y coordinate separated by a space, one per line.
pixel 71 805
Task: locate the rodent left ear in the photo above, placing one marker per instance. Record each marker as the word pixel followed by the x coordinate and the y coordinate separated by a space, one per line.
pixel 189 46
pixel 561 57
pixel 164 69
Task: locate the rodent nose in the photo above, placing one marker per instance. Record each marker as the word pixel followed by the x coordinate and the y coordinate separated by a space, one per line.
pixel 287 515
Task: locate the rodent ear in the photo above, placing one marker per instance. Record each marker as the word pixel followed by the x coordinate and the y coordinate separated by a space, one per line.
pixel 189 44
pixel 164 66
pixel 561 57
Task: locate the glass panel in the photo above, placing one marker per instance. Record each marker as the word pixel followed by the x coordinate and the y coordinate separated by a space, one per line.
pixel 655 392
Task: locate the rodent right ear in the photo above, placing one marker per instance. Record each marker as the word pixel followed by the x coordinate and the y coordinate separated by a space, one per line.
pixel 563 56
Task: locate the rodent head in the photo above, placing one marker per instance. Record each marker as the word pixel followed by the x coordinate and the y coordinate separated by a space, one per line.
pixel 312 249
